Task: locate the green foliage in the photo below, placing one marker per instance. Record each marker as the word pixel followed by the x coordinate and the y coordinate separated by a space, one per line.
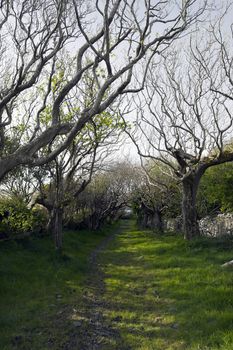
pixel 58 80
pixel 216 190
pixel 18 219
pixel 46 116
pixel 40 219
pixel 11 144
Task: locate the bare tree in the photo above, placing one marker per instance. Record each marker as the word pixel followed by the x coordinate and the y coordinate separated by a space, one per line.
pixel 20 183
pixel 111 37
pixel 155 195
pixel 64 179
pixel 109 192
pixel 184 117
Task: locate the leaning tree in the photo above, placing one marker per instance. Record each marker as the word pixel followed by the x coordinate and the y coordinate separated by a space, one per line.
pixel 63 180
pixel 112 37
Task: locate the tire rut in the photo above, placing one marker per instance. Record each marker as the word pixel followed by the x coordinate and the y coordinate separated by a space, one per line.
pixel 93 331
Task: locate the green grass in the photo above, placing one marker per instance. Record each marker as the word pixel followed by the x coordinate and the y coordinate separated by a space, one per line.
pixel 39 288
pixel 162 293
pixel 165 293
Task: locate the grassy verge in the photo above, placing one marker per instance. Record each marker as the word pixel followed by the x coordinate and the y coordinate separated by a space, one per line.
pixel 164 293
pixel 38 288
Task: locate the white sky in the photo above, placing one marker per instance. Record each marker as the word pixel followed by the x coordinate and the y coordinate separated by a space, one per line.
pixel 128 149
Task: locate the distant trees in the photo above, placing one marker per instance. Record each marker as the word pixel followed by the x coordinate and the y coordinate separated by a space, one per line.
pixel 35 37
pixel 156 195
pixel 105 197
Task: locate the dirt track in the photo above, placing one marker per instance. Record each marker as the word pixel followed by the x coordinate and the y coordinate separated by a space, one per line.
pixel 92 330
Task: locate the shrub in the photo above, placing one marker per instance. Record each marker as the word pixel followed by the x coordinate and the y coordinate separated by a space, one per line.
pixel 216 190
pixel 40 219
pixel 17 219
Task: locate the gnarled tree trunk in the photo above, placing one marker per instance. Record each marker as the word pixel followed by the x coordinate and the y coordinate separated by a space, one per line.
pixel 56 226
pixel 156 220
pixel 190 226
pixel 150 217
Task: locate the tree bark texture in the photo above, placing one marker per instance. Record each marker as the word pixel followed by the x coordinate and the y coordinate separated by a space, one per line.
pixel 151 218
pixel 190 226
pixel 156 221
pixel 57 227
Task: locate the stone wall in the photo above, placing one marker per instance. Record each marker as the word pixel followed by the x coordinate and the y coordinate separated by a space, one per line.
pixel 219 225
pixel 173 224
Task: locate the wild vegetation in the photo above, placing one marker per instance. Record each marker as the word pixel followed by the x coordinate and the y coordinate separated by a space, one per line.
pixel 80 82
pixel 167 293
pixel 40 288
pixel 158 291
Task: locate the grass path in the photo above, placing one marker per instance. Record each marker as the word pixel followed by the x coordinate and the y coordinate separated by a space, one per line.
pixel 128 290
pixel 40 290
pixel 163 293
pixel 93 330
